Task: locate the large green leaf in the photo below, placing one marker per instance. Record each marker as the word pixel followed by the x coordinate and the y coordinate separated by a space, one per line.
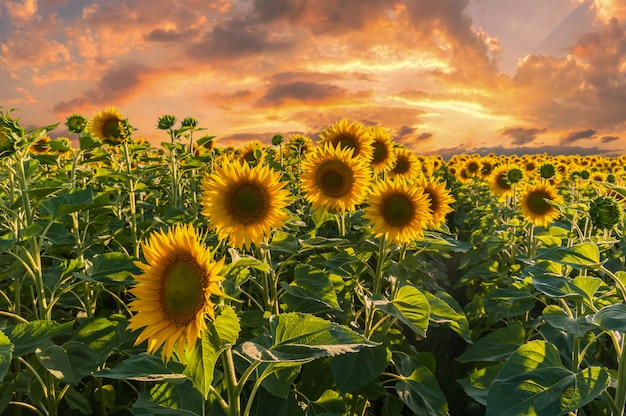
pixel 612 317
pixel 99 334
pixel 110 268
pixel 477 384
pixel 495 346
pixel 444 309
pixel 6 354
pixel 298 337
pixel 67 203
pixel 202 358
pixel 418 388
pixel 70 362
pixel 141 367
pixel 144 407
pixel 556 317
pixel 26 337
pixel 534 381
pixel 352 371
pixel 409 307
pixel 583 255
pixel 310 288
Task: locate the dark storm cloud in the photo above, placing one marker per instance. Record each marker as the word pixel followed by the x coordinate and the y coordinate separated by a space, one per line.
pixel 522 135
pixel 115 86
pixel 306 92
pixel 578 135
pixel 238 38
pixel 160 35
pixel 608 139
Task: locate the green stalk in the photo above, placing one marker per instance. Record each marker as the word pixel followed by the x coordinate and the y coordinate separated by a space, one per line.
pixel 234 404
pixel 620 392
pixel 132 201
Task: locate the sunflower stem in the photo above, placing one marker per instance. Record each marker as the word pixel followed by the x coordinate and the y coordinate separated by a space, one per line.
pixel 234 405
pixel 131 200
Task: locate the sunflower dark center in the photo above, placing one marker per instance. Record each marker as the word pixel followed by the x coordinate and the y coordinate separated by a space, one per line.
pixel 473 167
pixel 402 165
pixel 248 203
pixel 111 128
pixel 182 295
pixel 334 178
pixel 397 210
pixel 381 154
pixel 346 140
pixel 537 204
pixel 503 182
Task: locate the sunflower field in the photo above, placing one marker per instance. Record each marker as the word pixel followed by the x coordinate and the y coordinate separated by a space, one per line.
pixel 346 276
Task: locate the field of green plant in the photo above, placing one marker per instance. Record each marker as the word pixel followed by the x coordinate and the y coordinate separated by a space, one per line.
pixel 345 276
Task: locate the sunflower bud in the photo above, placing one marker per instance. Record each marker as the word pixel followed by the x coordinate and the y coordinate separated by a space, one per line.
pixel 514 176
pixel 547 171
pixel 166 122
pixel 605 212
pixel 76 123
pixel 277 140
pixel 188 122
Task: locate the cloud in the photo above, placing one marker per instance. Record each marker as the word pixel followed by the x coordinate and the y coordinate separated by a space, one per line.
pixel 578 135
pixel 309 93
pixel 608 139
pixel 23 11
pixel 522 135
pixel 424 136
pixel 114 88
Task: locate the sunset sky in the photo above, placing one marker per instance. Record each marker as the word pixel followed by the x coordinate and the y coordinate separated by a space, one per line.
pixel 444 76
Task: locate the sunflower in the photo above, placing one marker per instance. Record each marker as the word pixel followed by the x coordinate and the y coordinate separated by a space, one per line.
pixel 534 206
pixel 398 210
pixel 473 166
pixel 243 204
pixel 334 180
pixel 41 145
pixel 499 182
pixel 76 123
pixel 173 294
pixel 251 153
pixel 407 165
pixel 109 126
pixel 353 136
pixel 439 198
pixel 383 156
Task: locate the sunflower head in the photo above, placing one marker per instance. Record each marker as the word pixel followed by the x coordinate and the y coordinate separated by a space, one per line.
pixel 439 198
pixel 383 155
pixel 76 123
pixel 334 180
pixel 605 212
pixel 349 135
pixel 173 293
pixel 243 204
pixel 407 164
pixel 110 127
pixel 534 205
pixel 398 210
pixel 41 145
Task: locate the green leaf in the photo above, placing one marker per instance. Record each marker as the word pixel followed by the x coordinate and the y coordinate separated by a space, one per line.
pixel 200 361
pixel 556 317
pixel 323 242
pixel 444 309
pixel 298 337
pixel 352 371
pixel 77 401
pixel 144 407
pixel 99 334
pixel 310 286
pixel 612 317
pixel 26 337
pixel 409 307
pixel 495 346
pixel 279 381
pixel 110 268
pixel 140 367
pixel 69 363
pixel 177 396
pixel 6 354
pixel 583 255
pixel 64 204
pixel 419 390
pixel 284 242
pixel 476 385
pixel 534 381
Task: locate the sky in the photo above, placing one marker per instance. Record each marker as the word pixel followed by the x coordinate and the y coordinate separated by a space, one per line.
pixel 443 76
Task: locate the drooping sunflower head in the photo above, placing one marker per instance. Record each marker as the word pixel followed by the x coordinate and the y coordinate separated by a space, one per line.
pixel 440 199
pixel 41 145
pixel 349 135
pixel 605 212
pixel 76 123
pixel 398 210
pixel 109 126
pixel 533 203
pixel 383 156
pixel 334 180
pixel 173 292
pixel 407 165
pixel 243 204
